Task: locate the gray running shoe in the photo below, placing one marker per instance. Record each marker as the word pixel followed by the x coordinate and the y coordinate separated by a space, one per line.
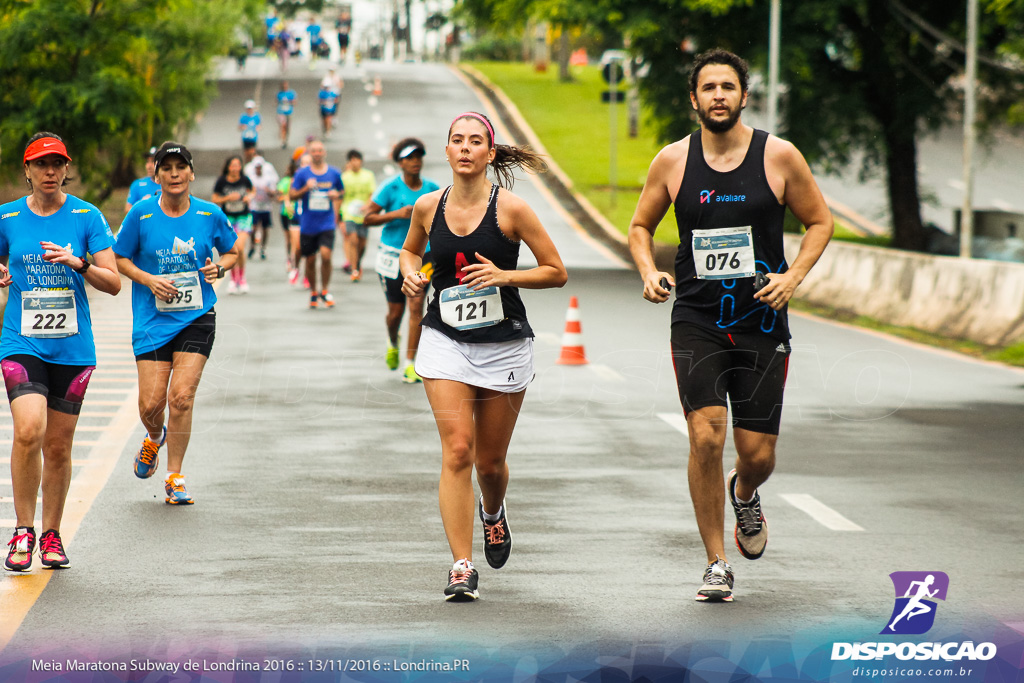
pixel 751 527
pixel 718 581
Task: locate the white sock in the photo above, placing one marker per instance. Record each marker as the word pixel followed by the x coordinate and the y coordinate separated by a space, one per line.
pixel 488 517
pixel 462 565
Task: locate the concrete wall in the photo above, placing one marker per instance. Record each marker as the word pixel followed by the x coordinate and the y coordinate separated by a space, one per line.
pixel 972 299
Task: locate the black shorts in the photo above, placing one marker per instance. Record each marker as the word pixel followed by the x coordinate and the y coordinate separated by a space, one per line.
pixel 63 385
pixel 311 244
pixel 745 371
pixel 196 338
pixel 248 144
pixel 261 218
pixel 287 223
pixel 393 286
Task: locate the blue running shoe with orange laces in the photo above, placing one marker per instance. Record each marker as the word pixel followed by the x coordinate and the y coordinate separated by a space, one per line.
pixel 174 487
pixel 148 456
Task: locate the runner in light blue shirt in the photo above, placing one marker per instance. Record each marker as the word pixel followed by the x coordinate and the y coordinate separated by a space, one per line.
pixel 144 187
pixel 285 109
pixel 47 349
pixel 249 123
pixel 165 247
pixel 391 206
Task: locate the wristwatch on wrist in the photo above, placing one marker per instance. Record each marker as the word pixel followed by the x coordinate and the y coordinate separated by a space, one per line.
pixel 220 270
pixel 85 267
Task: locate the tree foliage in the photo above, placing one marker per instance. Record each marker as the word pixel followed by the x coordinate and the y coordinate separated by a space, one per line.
pixel 863 78
pixel 110 77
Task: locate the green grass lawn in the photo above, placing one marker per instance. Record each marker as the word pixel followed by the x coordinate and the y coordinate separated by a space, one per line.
pixel 574 125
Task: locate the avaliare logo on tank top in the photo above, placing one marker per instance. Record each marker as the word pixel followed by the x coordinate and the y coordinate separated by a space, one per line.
pixel 709 197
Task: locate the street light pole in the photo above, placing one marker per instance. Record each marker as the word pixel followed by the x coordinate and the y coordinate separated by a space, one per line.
pixel 970 88
pixel 774 32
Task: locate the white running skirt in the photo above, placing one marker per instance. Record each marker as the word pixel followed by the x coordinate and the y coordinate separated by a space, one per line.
pixel 500 366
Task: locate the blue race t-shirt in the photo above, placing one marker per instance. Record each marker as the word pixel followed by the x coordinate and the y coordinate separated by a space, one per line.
pixel 285 102
pixel 161 245
pixel 328 100
pixel 143 188
pixel 250 123
pixel 393 195
pixel 316 208
pixel 77 225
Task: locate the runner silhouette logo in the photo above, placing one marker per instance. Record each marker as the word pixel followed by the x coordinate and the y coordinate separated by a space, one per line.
pixel 916 593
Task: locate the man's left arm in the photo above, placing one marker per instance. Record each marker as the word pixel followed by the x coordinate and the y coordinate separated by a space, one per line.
pixel 804 199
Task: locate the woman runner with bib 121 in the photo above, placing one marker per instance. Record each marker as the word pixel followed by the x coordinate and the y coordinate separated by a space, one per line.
pixel 47 347
pixel 476 350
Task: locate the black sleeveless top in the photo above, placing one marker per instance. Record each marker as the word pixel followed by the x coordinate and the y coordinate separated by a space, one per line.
pixel 708 200
pixel 451 252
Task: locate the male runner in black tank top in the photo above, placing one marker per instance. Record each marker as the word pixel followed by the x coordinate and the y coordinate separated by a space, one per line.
pixel 730 185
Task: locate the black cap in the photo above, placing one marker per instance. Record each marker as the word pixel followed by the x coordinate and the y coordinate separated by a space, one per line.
pixel 169 148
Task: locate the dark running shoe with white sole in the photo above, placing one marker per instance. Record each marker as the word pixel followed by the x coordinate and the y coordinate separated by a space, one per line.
pixel 718 582
pixel 19 557
pixel 751 527
pixel 497 537
pixel 51 550
pixel 463 580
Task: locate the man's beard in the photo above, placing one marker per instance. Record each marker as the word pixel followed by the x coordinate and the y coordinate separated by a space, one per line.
pixel 718 125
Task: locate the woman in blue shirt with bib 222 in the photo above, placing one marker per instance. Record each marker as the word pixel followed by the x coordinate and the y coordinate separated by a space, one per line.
pixel 47 349
pixel 165 247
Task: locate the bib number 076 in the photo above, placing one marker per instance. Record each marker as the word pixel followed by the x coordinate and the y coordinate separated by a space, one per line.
pixel 719 261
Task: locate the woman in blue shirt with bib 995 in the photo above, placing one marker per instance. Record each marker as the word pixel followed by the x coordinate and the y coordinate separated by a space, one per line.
pixel 165 247
pixel 47 349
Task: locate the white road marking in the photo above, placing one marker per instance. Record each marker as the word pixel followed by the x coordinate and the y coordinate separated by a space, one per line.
pixel 820 513
pixel 376 117
pixel 606 372
pixel 677 421
pixel 955 184
pixel 1002 205
pixel 372 100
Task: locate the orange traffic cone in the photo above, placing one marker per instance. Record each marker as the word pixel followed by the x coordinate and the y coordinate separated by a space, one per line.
pixel 378 87
pixel 572 340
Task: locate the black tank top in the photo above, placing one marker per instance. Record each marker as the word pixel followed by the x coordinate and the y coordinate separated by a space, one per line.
pixel 451 252
pixel 709 200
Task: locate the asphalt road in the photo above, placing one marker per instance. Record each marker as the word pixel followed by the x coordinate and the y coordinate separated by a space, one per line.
pixel 314 468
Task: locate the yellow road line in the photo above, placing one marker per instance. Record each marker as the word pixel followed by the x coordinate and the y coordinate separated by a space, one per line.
pixel 19 593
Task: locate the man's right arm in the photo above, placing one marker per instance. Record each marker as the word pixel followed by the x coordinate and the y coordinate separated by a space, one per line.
pixel 650 209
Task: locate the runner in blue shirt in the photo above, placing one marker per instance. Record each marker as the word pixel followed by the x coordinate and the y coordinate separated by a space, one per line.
pixel 285 109
pixel 145 187
pixel 165 247
pixel 391 206
pixel 328 97
pixel 320 189
pixel 249 123
pixel 47 348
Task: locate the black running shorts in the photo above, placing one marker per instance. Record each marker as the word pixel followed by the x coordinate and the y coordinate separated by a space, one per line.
pixel 63 385
pixel 746 372
pixel 311 244
pixel 196 338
